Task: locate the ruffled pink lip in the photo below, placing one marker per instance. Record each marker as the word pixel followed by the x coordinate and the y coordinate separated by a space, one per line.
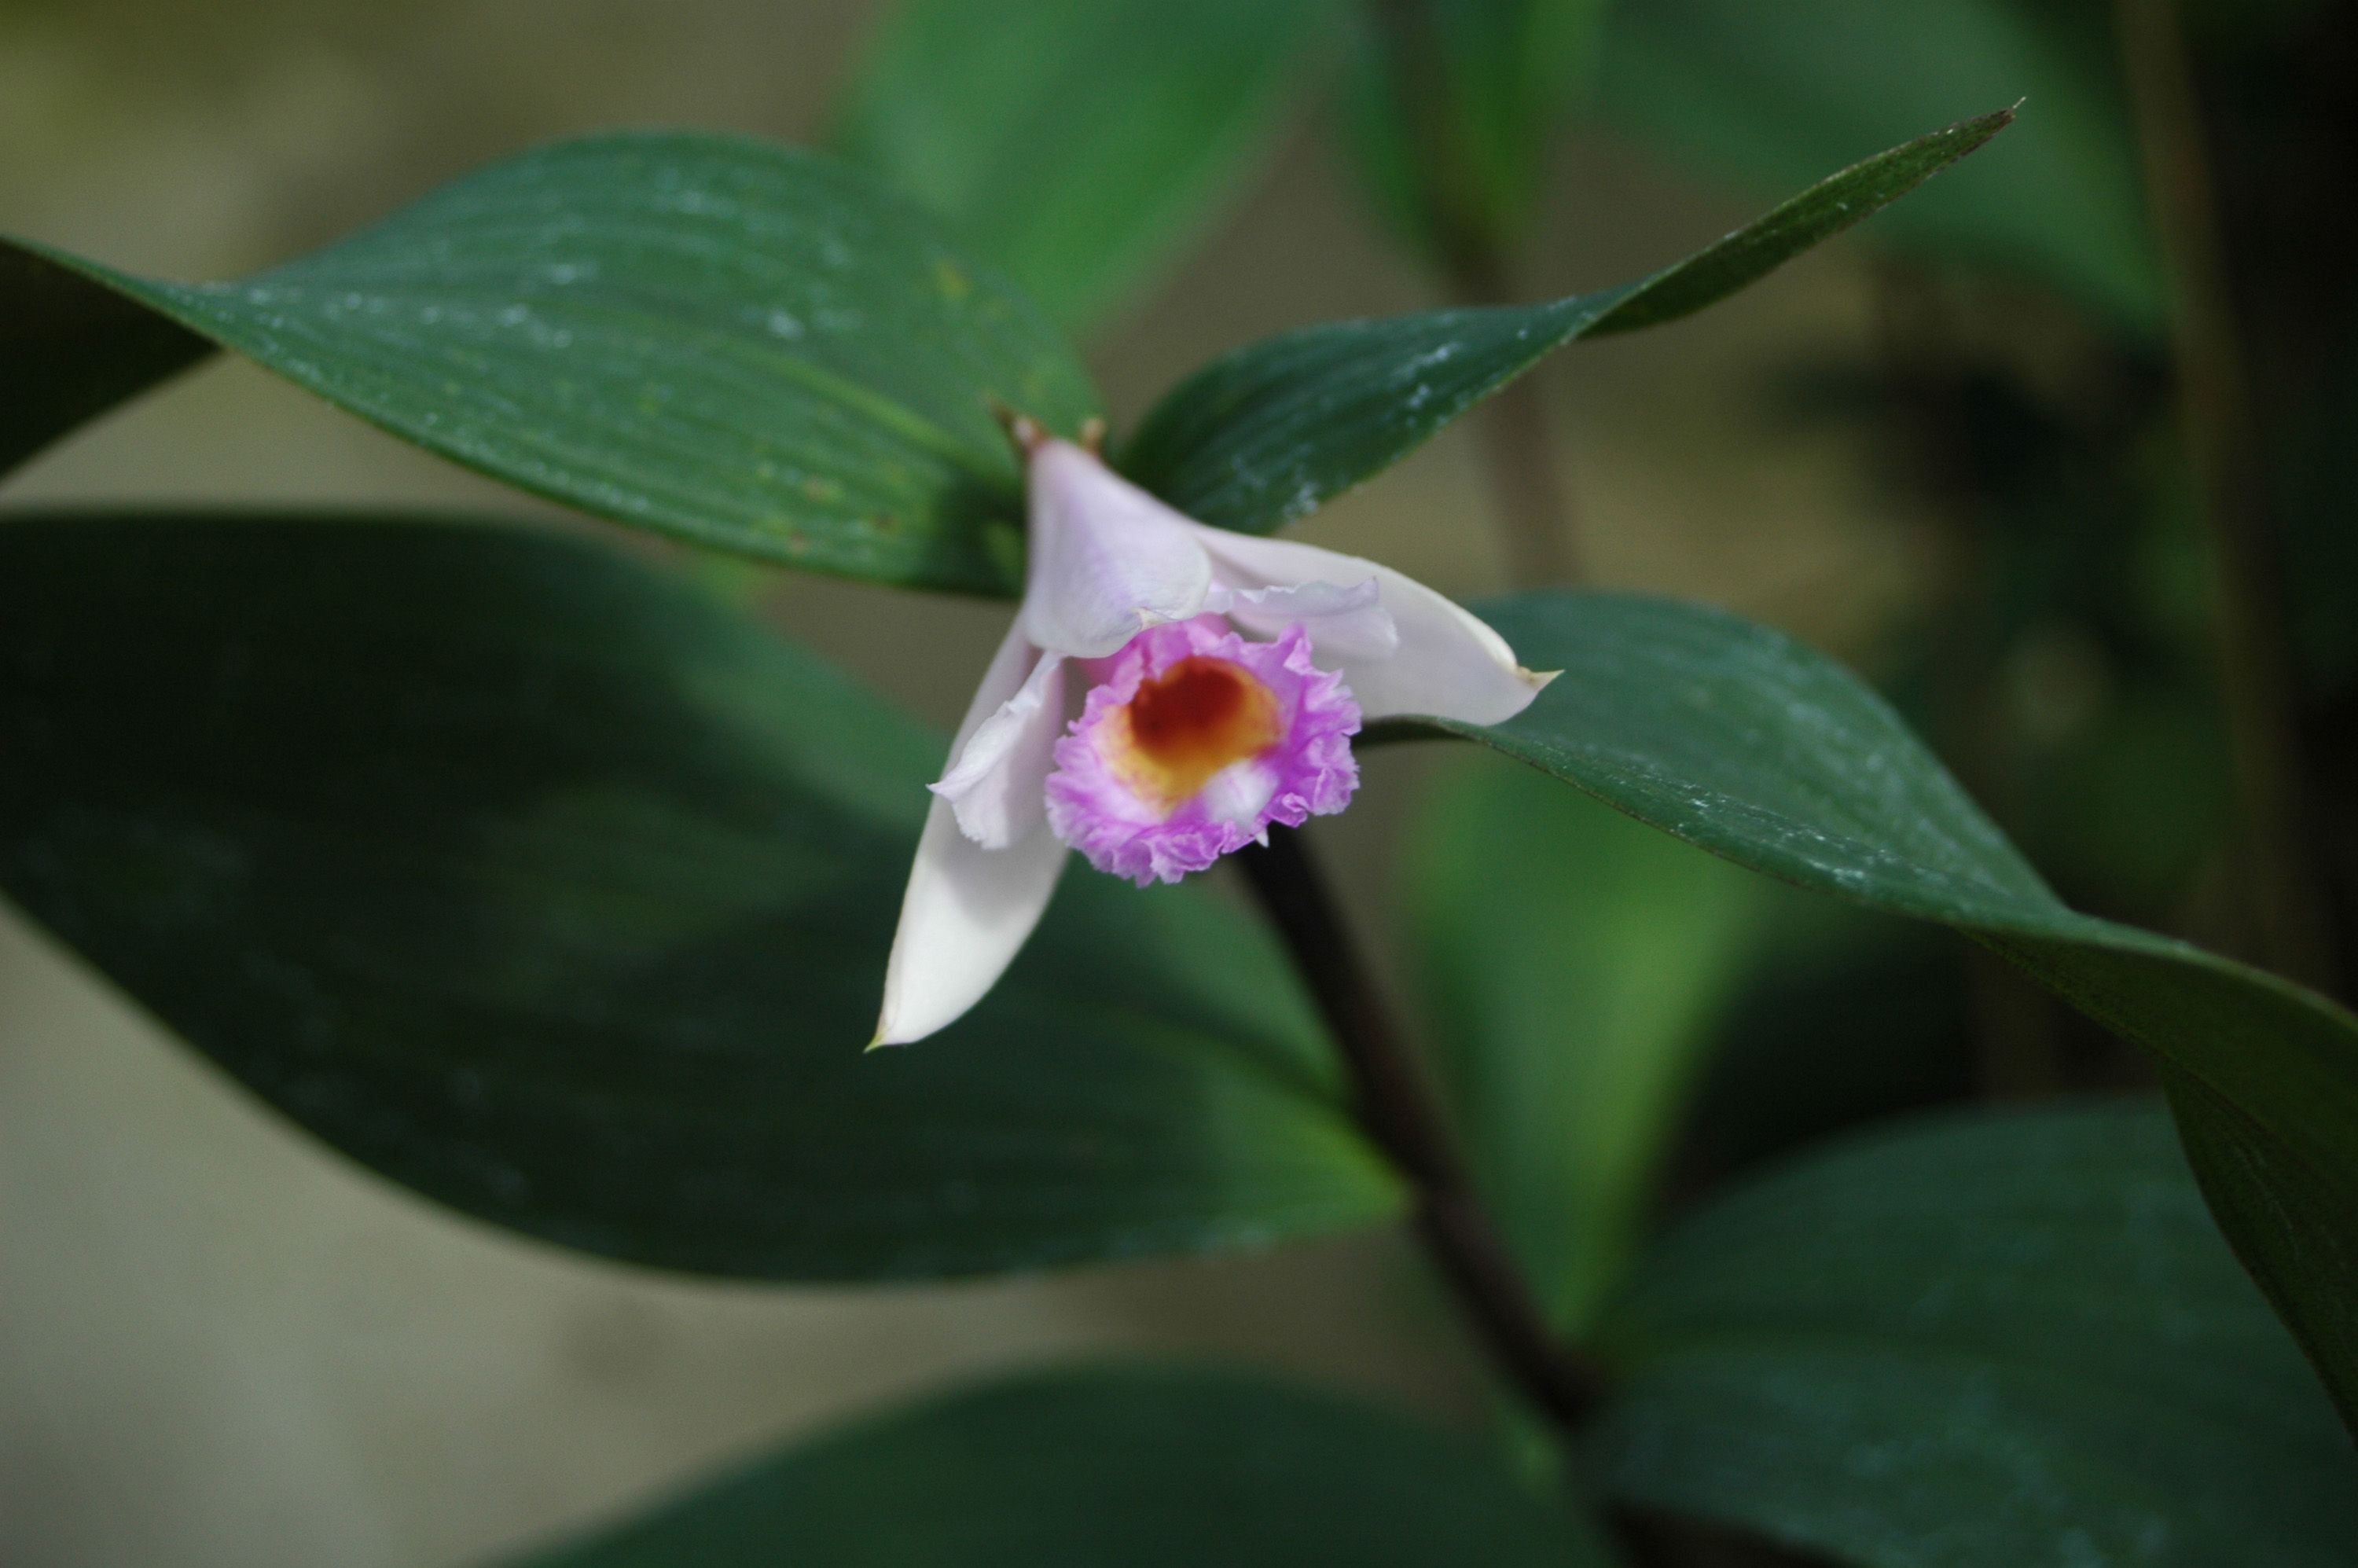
pixel 1116 809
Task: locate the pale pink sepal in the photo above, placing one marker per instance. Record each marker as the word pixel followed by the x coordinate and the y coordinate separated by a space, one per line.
pixel 967 913
pixel 1448 663
pixel 1108 560
pixel 1344 623
pixel 969 910
pixel 997 772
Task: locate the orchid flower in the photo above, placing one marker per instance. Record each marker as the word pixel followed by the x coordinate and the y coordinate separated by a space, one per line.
pixel 1168 690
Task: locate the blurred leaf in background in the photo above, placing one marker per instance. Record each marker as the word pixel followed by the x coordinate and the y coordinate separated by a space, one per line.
pixel 1577 964
pixel 1454 109
pixel 1769 93
pixel 1843 1016
pixel 1144 1467
pixel 74 350
pixel 2064 664
pixel 1078 143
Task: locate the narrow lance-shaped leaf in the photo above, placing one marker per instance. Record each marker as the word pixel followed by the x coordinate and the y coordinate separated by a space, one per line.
pixel 713 337
pixel 549 887
pixel 1265 434
pixel 1767 94
pixel 1141 1468
pixel 1075 143
pixel 1735 738
pixel 72 349
pixel 2005 1340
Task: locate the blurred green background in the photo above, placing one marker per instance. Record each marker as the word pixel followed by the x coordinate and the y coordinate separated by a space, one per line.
pixel 1939 449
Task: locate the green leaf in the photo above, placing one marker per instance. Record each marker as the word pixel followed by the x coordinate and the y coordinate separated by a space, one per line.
pixel 1455 104
pixel 1130 1466
pixel 1265 434
pixel 1735 738
pixel 549 887
pixel 70 350
pixel 1770 93
pixel 2301 1229
pixel 1997 1340
pixel 713 337
pixel 1847 1016
pixel 1075 143
pixel 1575 963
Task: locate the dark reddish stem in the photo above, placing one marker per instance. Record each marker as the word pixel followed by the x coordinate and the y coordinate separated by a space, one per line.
pixel 1396 1104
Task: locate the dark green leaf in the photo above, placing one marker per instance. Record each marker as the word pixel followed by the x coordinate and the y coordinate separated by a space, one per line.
pixel 1735 738
pixel 2299 1229
pixel 1575 963
pixel 1075 142
pixel 70 350
pixel 551 888
pixel 1136 1468
pixel 1847 1016
pixel 1770 93
pixel 1263 435
pixel 1992 1341
pixel 710 336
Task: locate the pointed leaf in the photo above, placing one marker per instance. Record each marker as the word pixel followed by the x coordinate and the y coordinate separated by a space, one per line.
pixel 726 339
pixel 70 350
pixel 2299 1227
pixel 1265 434
pixel 1735 738
pixel 553 889
pixel 1987 1341
pixel 1132 1466
pixel 1075 143
pixel 1770 93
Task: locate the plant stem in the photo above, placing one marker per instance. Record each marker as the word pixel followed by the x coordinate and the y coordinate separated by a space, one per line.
pixel 1535 512
pixel 1397 1107
pixel 2221 445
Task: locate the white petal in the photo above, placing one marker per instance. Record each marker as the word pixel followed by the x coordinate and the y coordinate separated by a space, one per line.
pixel 1108 560
pixel 1344 623
pixel 1011 667
pixel 1449 664
pixel 966 913
pixel 997 780
pixel 1238 792
pixel 968 909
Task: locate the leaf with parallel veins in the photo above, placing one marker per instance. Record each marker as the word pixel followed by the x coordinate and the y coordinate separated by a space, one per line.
pixel 549 887
pixel 1264 435
pixel 717 338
